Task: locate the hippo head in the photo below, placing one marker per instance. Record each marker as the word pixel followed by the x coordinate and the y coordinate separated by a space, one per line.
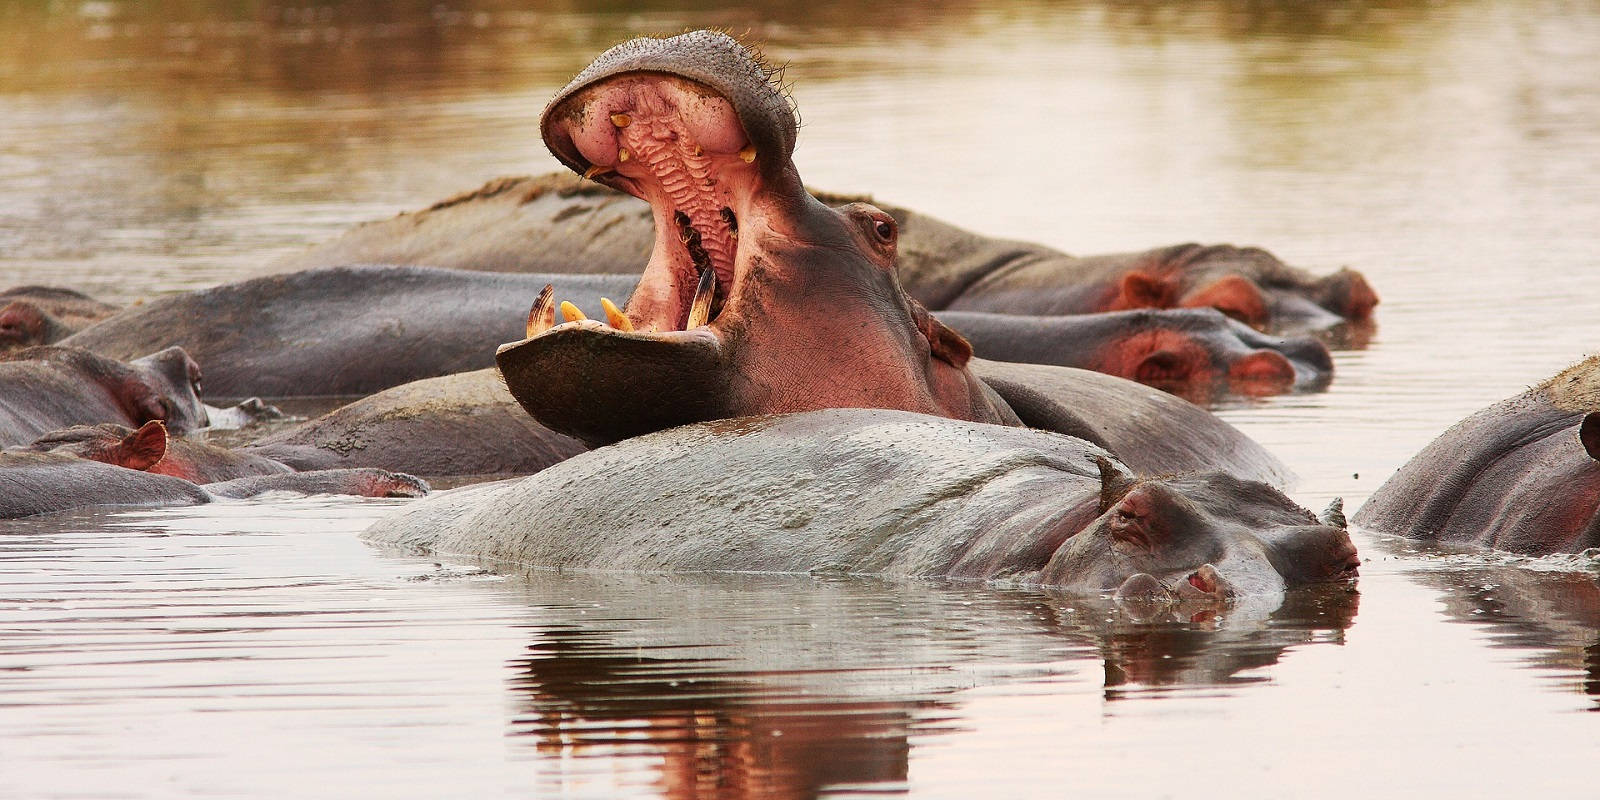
pixel 1247 537
pixel 757 297
pixel 163 386
pixel 24 324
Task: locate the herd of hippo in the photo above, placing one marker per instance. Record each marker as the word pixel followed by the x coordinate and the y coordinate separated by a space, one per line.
pixel 794 382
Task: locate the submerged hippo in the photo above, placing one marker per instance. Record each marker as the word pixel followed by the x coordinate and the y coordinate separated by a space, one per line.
pixel 150 449
pixel 757 297
pixel 868 491
pixel 341 330
pixel 556 223
pixel 47 388
pixel 1195 353
pixel 87 467
pixel 1520 475
pixel 35 315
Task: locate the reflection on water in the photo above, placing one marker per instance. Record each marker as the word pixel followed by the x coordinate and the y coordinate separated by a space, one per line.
pixel 1446 150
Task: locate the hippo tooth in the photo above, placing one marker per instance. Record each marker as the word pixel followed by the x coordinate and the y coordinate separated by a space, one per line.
pixel 615 316
pixel 748 153
pixel 594 171
pixel 621 120
pixel 543 313
pixel 570 312
pixel 622 154
pixel 700 308
pixel 698 151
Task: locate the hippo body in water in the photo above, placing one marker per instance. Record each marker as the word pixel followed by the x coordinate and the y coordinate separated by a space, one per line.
pixel 107 466
pixel 1520 475
pixel 338 331
pixel 35 315
pixel 557 223
pixel 861 491
pixel 48 388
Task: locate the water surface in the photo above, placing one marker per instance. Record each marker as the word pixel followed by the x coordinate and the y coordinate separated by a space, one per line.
pixel 1449 151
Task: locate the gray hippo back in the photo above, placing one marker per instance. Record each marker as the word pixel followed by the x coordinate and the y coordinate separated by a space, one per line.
pixel 866 491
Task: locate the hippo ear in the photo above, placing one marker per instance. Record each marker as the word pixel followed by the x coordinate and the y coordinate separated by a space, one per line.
pixel 1139 289
pixel 944 343
pixel 1115 482
pixel 1333 515
pixel 142 449
pixel 1234 295
pixel 1589 434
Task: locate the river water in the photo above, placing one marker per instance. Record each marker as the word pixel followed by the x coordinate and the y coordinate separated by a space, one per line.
pixel 1449 151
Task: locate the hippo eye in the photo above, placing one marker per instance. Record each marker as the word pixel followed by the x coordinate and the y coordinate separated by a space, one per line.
pixel 884 230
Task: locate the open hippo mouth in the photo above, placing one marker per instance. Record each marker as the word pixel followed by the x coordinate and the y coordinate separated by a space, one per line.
pixel 752 300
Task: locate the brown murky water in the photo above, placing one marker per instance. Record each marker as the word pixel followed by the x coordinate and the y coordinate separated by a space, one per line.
pixel 1450 151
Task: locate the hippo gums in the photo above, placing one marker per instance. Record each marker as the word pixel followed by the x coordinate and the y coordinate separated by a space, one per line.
pixel 872 491
pixel 1520 475
pixel 757 298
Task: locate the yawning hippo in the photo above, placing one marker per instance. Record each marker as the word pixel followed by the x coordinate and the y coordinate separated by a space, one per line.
pixel 47 388
pixel 869 491
pixel 1520 475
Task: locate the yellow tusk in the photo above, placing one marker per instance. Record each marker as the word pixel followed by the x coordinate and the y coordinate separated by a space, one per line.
pixel 621 120
pixel 614 316
pixel 700 307
pixel 622 154
pixel 543 313
pixel 595 170
pixel 570 312
pixel 748 154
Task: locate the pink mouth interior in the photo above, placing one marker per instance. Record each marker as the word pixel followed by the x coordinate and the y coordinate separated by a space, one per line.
pixel 677 145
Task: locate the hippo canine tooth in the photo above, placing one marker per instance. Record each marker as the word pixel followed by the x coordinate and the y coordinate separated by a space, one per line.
pixel 621 120
pixel 614 315
pixel 595 171
pixel 571 313
pixel 747 153
pixel 543 313
pixel 622 154
pixel 700 308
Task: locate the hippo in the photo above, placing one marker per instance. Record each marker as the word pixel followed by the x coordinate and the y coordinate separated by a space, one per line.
pixel 1519 475
pixel 1195 353
pixel 467 427
pixel 345 330
pixel 557 223
pixel 454 429
pixel 757 298
pixel 889 493
pixel 35 315
pixel 51 387
pixel 75 470
pixel 181 457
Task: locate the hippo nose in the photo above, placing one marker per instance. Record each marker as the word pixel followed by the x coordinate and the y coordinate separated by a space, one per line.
pixel 1261 372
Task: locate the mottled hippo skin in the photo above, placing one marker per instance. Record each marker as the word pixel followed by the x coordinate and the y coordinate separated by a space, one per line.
pixel 341 330
pixel 47 388
pixel 862 491
pixel 35 315
pixel 558 223
pixel 1520 475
